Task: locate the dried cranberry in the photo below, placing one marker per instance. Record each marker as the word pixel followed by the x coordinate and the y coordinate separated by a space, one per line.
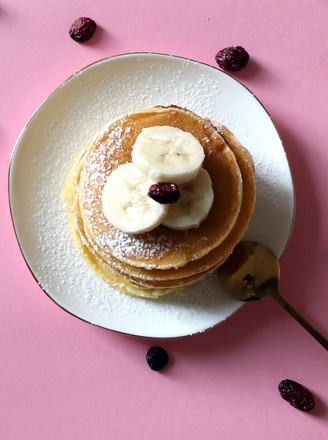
pixel 232 58
pixel 296 394
pixel 163 192
pixel 82 29
pixel 157 358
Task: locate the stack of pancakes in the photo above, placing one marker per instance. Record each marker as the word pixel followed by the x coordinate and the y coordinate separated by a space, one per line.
pixel 163 260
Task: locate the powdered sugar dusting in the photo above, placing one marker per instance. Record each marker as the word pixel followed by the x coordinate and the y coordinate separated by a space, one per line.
pixel 69 120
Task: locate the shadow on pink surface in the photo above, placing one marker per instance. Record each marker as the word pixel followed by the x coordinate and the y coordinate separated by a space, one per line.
pixel 254 74
pixel 301 260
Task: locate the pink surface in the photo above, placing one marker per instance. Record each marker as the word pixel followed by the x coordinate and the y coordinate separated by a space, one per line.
pixel 64 379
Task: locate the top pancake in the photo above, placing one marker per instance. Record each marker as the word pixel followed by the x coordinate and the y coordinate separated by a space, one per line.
pixel 162 248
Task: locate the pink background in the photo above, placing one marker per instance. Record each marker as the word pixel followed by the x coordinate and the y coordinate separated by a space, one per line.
pixel 64 379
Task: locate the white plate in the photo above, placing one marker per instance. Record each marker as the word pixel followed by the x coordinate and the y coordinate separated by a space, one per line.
pixel 69 118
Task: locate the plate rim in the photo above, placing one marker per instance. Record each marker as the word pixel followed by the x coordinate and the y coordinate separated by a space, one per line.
pixel 39 109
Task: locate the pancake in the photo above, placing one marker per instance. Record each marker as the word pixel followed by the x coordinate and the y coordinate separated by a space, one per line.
pixel 163 260
pixel 163 247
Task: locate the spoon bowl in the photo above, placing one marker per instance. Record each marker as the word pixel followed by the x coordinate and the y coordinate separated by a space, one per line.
pixel 252 272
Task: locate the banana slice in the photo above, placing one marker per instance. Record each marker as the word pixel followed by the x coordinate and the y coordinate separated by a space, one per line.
pixel 126 204
pixel 194 204
pixel 168 154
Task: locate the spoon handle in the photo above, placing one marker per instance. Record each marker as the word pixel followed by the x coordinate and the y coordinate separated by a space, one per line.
pixel 303 321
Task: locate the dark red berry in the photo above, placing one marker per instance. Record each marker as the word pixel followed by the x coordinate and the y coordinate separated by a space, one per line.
pixel 232 58
pixel 163 192
pixel 296 394
pixel 157 358
pixel 82 29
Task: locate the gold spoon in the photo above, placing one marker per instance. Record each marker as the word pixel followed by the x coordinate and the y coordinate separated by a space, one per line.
pixel 252 272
